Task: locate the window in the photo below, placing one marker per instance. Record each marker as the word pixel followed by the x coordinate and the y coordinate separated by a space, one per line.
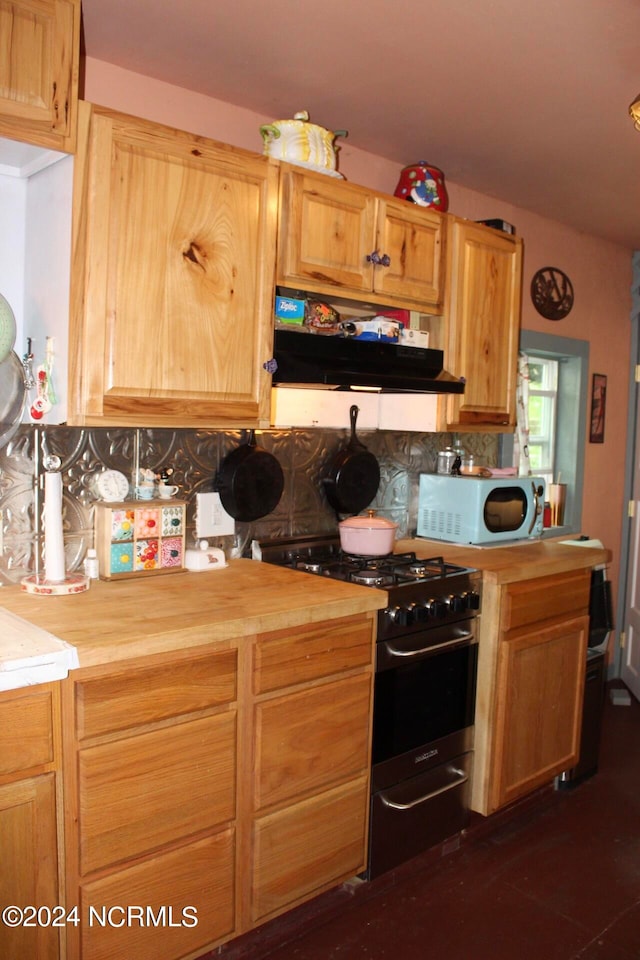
pixel 543 409
pixel 558 415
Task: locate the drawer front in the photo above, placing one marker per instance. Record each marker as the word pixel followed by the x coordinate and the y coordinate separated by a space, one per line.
pixel 193 883
pixel 138 697
pixel 312 739
pixel 545 598
pixel 138 794
pixel 286 658
pixel 26 729
pixel 310 846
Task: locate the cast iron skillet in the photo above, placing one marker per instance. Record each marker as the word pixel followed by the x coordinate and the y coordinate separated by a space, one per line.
pixel 250 482
pixel 354 477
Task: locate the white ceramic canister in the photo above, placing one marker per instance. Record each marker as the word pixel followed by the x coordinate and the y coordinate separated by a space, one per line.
pixel 300 142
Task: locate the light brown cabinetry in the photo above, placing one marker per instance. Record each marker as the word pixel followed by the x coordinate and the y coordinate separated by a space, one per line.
pixel 530 685
pixel 331 233
pixel 150 766
pixel 29 758
pixel 39 72
pixel 483 323
pixel 312 718
pixel 172 277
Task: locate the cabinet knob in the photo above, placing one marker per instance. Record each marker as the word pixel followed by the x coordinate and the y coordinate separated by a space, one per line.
pixel 379 261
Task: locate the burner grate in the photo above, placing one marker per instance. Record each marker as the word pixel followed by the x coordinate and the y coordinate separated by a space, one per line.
pixel 323 556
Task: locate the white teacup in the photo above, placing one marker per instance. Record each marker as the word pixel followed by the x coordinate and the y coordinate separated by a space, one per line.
pixel 166 491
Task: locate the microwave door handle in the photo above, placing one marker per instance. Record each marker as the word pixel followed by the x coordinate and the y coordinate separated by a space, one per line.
pixel 537 506
pixel 461 777
pixel 464 638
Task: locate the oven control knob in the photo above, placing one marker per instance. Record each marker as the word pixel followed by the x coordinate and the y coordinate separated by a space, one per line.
pixel 401 615
pixel 420 613
pixel 456 603
pixel 472 600
pixel 438 608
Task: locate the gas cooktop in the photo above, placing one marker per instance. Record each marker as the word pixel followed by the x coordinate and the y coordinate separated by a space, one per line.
pixel 421 593
pixel 324 557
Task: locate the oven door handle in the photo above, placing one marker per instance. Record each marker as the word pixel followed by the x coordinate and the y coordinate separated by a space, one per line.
pixel 462 777
pixel 464 638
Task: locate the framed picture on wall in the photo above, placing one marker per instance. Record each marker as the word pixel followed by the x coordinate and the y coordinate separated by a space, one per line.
pixel 598 407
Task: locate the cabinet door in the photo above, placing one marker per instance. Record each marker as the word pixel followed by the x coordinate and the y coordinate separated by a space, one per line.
pixel 540 683
pixel 413 240
pixel 327 229
pixel 172 292
pixel 484 322
pixel 29 873
pixel 39 72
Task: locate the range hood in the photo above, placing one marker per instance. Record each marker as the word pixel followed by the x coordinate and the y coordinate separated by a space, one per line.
pixel 305 360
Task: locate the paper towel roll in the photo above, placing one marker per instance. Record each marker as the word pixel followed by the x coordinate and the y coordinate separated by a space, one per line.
pixel 53 539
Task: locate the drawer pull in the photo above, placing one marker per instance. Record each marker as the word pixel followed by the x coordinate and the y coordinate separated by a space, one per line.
pixel 462 777
pixel 395 652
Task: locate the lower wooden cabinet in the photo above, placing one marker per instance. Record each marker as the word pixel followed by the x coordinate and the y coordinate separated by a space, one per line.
pixel 29 866
pixel 226 785
pixel 29 765
pixel 531 669
pixel 541 678
pixel 151 819
pixel 312 758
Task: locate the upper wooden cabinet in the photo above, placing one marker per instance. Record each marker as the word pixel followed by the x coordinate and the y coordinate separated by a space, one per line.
pixel 483 321
pixel 335 238
pixel 172 277
pixel 39 72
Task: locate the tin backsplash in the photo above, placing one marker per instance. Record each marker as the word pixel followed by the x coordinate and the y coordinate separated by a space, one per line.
pixel 195 455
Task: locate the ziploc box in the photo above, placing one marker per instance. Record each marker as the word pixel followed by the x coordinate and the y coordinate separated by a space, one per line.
pixel 290 311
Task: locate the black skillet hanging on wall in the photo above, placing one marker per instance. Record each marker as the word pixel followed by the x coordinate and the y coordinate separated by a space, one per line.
pixel 354 475
pixel 552 293
pixel 250 482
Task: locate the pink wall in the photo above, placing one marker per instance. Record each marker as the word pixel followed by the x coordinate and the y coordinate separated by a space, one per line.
pixel 600 271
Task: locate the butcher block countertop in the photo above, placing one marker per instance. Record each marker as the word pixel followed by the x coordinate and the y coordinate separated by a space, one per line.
pixel 510 564
pixel 120 620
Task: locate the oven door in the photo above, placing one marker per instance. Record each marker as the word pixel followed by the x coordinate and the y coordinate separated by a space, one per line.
pixel 425 691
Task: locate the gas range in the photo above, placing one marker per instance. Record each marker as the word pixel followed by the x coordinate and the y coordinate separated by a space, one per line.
pixel 424 689
pixel 422 593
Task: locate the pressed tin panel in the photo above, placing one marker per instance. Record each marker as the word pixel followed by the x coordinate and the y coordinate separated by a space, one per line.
pixel 305 456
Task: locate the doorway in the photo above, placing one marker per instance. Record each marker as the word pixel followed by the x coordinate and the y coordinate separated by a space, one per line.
pixel 627 654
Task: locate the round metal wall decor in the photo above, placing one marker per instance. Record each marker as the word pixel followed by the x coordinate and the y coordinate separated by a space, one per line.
pixel 552 293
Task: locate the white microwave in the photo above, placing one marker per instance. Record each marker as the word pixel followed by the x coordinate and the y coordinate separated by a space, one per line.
pixel 480 510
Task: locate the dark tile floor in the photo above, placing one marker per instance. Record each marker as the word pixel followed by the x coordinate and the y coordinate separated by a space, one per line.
pixel 558 879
